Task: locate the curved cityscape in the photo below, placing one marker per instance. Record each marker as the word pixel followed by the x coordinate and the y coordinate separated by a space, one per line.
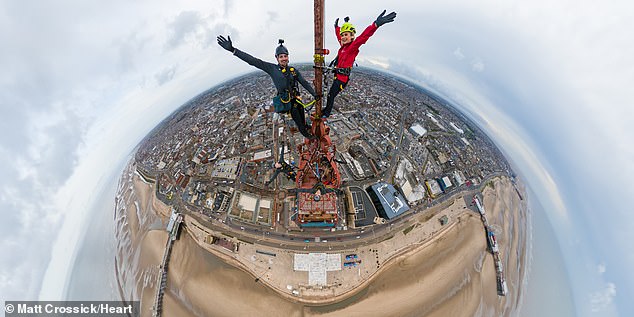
pixel 221 172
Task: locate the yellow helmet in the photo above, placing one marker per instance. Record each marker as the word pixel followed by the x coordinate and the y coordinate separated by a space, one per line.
pixel 347 27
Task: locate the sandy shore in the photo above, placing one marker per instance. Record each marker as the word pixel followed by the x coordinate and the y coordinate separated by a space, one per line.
pixel 449 273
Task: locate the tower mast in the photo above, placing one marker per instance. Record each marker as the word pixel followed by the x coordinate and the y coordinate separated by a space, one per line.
pixel 318 179
pixel 319 51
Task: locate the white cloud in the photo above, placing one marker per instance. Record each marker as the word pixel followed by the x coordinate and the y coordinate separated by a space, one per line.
pixel 458 54
pixel 601 300
pixel 273 17
pixel 165 75
pixel 477 65
pixel 376 62
pixel 186 24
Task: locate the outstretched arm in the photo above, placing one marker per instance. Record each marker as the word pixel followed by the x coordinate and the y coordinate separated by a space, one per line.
pixel 228 45
pixel 369 31
pixel 337 29
pixel 364 36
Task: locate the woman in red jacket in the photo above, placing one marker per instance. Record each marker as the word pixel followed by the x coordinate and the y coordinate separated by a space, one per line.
pixel 348 52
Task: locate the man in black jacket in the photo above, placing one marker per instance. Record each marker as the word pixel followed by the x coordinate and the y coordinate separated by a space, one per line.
pixel 285 78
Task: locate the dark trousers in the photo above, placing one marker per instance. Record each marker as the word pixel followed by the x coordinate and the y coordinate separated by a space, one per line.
pixel 277 172
pixel 297 113
pixel 335 89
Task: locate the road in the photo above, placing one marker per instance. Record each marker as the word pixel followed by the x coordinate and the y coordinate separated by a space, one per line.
pixel 337 240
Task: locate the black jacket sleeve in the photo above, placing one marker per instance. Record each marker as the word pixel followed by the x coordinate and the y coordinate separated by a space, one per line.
pixel 256 62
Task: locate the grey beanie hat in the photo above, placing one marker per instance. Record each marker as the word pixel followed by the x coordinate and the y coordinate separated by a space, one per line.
pixel 281 49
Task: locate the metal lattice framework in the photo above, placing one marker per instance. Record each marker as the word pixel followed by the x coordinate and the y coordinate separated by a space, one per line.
pixel 317 170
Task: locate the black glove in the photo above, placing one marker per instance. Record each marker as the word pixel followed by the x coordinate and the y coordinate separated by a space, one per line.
pixel 381 19
pixel 337 22
pixel 225 43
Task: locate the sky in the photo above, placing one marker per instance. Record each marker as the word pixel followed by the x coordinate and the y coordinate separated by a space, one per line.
pixel 83 82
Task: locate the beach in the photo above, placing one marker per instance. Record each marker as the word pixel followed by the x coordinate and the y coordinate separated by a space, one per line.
pixel 432 270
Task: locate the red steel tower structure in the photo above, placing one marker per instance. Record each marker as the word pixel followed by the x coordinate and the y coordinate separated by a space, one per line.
pixel 318 178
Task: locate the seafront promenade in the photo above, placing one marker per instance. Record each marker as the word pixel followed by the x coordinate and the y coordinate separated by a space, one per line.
pixel 271 261
pixel 453 258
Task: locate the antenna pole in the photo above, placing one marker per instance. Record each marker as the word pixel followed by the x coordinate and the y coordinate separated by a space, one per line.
pixel 319 52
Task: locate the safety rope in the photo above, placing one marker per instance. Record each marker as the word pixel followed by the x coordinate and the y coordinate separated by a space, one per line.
pixel 305 105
